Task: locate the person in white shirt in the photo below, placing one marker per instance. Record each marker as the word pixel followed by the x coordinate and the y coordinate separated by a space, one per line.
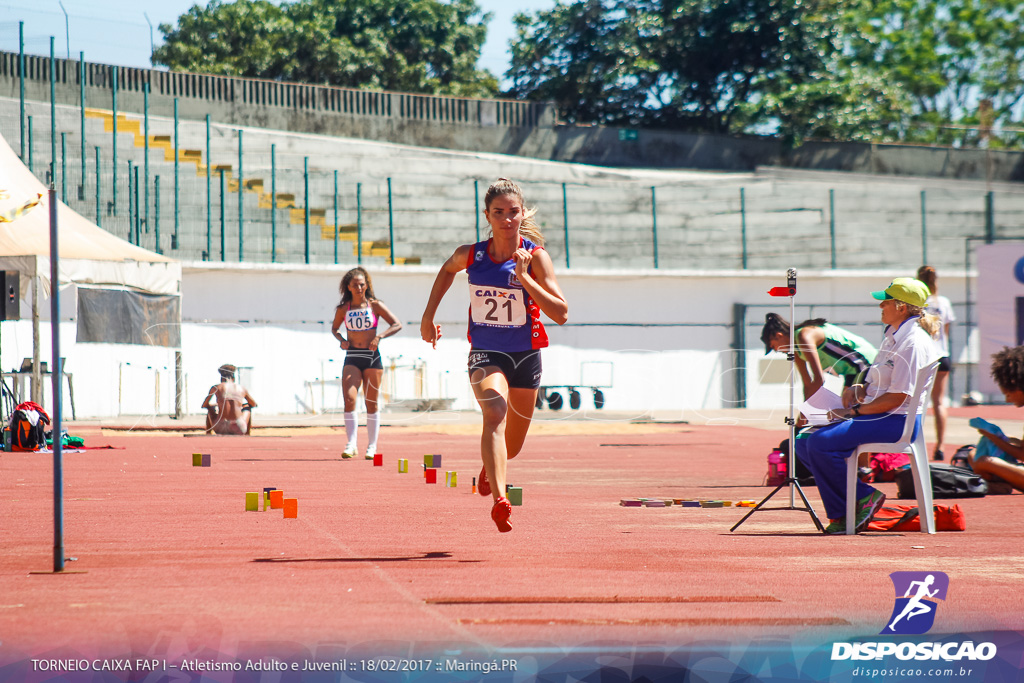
pixel 940 307
pixel 875 411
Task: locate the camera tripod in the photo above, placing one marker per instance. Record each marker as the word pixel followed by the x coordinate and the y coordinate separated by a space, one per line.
pixel 791 481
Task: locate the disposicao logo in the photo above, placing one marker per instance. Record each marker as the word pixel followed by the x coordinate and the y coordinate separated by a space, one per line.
pixel 917 594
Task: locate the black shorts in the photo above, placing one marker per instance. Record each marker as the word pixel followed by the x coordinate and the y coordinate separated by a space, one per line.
pixel 364 359
pixel 522 369
pixel 945 364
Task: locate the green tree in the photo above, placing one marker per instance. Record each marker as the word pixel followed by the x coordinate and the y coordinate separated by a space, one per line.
pixel 683 64
pixel 423 46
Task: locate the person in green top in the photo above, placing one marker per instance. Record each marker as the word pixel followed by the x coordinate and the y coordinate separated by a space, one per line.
pixel 820 346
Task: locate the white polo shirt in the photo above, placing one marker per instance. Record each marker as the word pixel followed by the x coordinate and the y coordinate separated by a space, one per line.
pixel 904 350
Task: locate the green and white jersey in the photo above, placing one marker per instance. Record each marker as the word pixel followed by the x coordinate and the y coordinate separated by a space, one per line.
pixel 847 354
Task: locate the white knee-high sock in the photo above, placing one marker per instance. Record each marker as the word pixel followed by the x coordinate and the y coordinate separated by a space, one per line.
pixel 372 430
pixel 350 430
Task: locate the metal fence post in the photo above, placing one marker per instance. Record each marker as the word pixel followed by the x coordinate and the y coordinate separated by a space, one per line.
pixel 476 199
pixel 739 345
pixel 156 213
pixel 743 226
pixel 359 223
pixel 221 171
pixel 177 184
pixel 924 229
pixel 654 224
pixel 131 212
pixel 138 211
pixel 305 211
pixel 990 217
pixel 241 194
pixel 31 165
pixel 145 159
pixel 832 224
pixel 273 203
pixel 53 116
pixel 391 225
pixel 209 200
pixel 335 216
pixel 64 167
pixel 81 100
pixel 565 220
pixel 21 85
pixel 113 135
pixel 98 204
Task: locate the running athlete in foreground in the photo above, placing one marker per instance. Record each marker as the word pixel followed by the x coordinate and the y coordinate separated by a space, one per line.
pixel 511 280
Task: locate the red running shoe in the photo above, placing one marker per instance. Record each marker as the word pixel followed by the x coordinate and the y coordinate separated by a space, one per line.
pixel 500 513
pixel 483 486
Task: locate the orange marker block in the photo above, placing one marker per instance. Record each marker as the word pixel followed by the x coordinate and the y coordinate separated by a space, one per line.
pixel 291 508
pixel 276 499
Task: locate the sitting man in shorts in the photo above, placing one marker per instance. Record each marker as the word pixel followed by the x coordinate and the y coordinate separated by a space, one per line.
pixel 228 405
pixel 1006 466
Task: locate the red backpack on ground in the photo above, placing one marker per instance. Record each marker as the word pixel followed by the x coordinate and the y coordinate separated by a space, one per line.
pixel 28 434
pixel 906 518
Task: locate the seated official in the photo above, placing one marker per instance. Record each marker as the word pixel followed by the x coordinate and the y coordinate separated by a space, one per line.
pixel 875 411
pixel 228 406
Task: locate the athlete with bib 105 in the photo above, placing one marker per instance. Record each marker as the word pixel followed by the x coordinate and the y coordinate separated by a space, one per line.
pixel 511 281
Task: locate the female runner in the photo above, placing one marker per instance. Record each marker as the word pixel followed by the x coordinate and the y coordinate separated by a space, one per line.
pixel 511 280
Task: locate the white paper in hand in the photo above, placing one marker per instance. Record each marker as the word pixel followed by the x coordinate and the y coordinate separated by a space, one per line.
pixel 818 406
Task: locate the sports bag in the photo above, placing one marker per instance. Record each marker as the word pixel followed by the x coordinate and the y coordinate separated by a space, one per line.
pixel 28 425
pixel 947 482
pixel 907 518
pixel 885 466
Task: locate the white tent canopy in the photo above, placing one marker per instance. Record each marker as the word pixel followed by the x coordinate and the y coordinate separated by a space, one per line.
pixel 89 255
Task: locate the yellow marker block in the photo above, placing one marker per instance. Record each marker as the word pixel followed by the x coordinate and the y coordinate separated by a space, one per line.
pixel 197 460
pixel 451 479
pixel 252 502
pixel 403 465
pixel 428 460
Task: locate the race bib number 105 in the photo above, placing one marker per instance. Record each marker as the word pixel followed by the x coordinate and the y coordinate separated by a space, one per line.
pixel 497 306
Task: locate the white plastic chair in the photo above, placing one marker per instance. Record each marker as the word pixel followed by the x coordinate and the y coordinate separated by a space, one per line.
pixel 915 449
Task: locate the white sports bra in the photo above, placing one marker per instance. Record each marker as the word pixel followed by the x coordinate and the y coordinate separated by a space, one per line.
pixel 360 319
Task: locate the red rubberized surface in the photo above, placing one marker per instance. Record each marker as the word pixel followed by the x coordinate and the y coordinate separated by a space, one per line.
pixel 174 565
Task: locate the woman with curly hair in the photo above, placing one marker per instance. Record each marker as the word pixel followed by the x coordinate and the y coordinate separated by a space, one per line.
pixel 1008 466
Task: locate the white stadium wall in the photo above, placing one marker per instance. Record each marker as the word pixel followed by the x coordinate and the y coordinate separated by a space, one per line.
pixel 655 341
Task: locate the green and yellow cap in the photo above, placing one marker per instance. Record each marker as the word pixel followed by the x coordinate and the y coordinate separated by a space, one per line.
pixel 905 289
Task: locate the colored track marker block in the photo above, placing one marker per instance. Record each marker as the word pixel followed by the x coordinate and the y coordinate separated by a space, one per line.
pixel 403 466
pixel 291 508
pixel 437 461
pixel 711 504
pixel 197 460
pixel 727 503
pixel 428 460
pixel 378 459
pixel 451 479
pixel 654 503
pixel 514 495
pixel 266 497
pixel 431 475
pixel 276 499
pixel 668 502
pixel 206 459
pixel 252 501
pixel 631 503
pixel 691 504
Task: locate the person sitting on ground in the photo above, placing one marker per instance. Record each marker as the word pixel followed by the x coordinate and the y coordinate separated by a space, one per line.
pixel 876 411
pixel 228 405
pixel 820 346
pixel 1008 466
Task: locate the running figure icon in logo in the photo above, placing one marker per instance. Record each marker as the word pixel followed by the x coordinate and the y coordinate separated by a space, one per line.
pixel 916 595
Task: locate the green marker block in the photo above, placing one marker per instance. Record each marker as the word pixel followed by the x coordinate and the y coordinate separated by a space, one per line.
pixel 197 460
pixel 514 495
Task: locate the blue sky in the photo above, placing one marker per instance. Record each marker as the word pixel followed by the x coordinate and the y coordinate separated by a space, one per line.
pixel 117 31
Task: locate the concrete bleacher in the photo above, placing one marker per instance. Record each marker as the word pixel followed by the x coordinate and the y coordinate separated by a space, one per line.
pixel 789 216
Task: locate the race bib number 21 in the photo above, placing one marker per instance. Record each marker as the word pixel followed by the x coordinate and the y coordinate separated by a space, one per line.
pixel 498 307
